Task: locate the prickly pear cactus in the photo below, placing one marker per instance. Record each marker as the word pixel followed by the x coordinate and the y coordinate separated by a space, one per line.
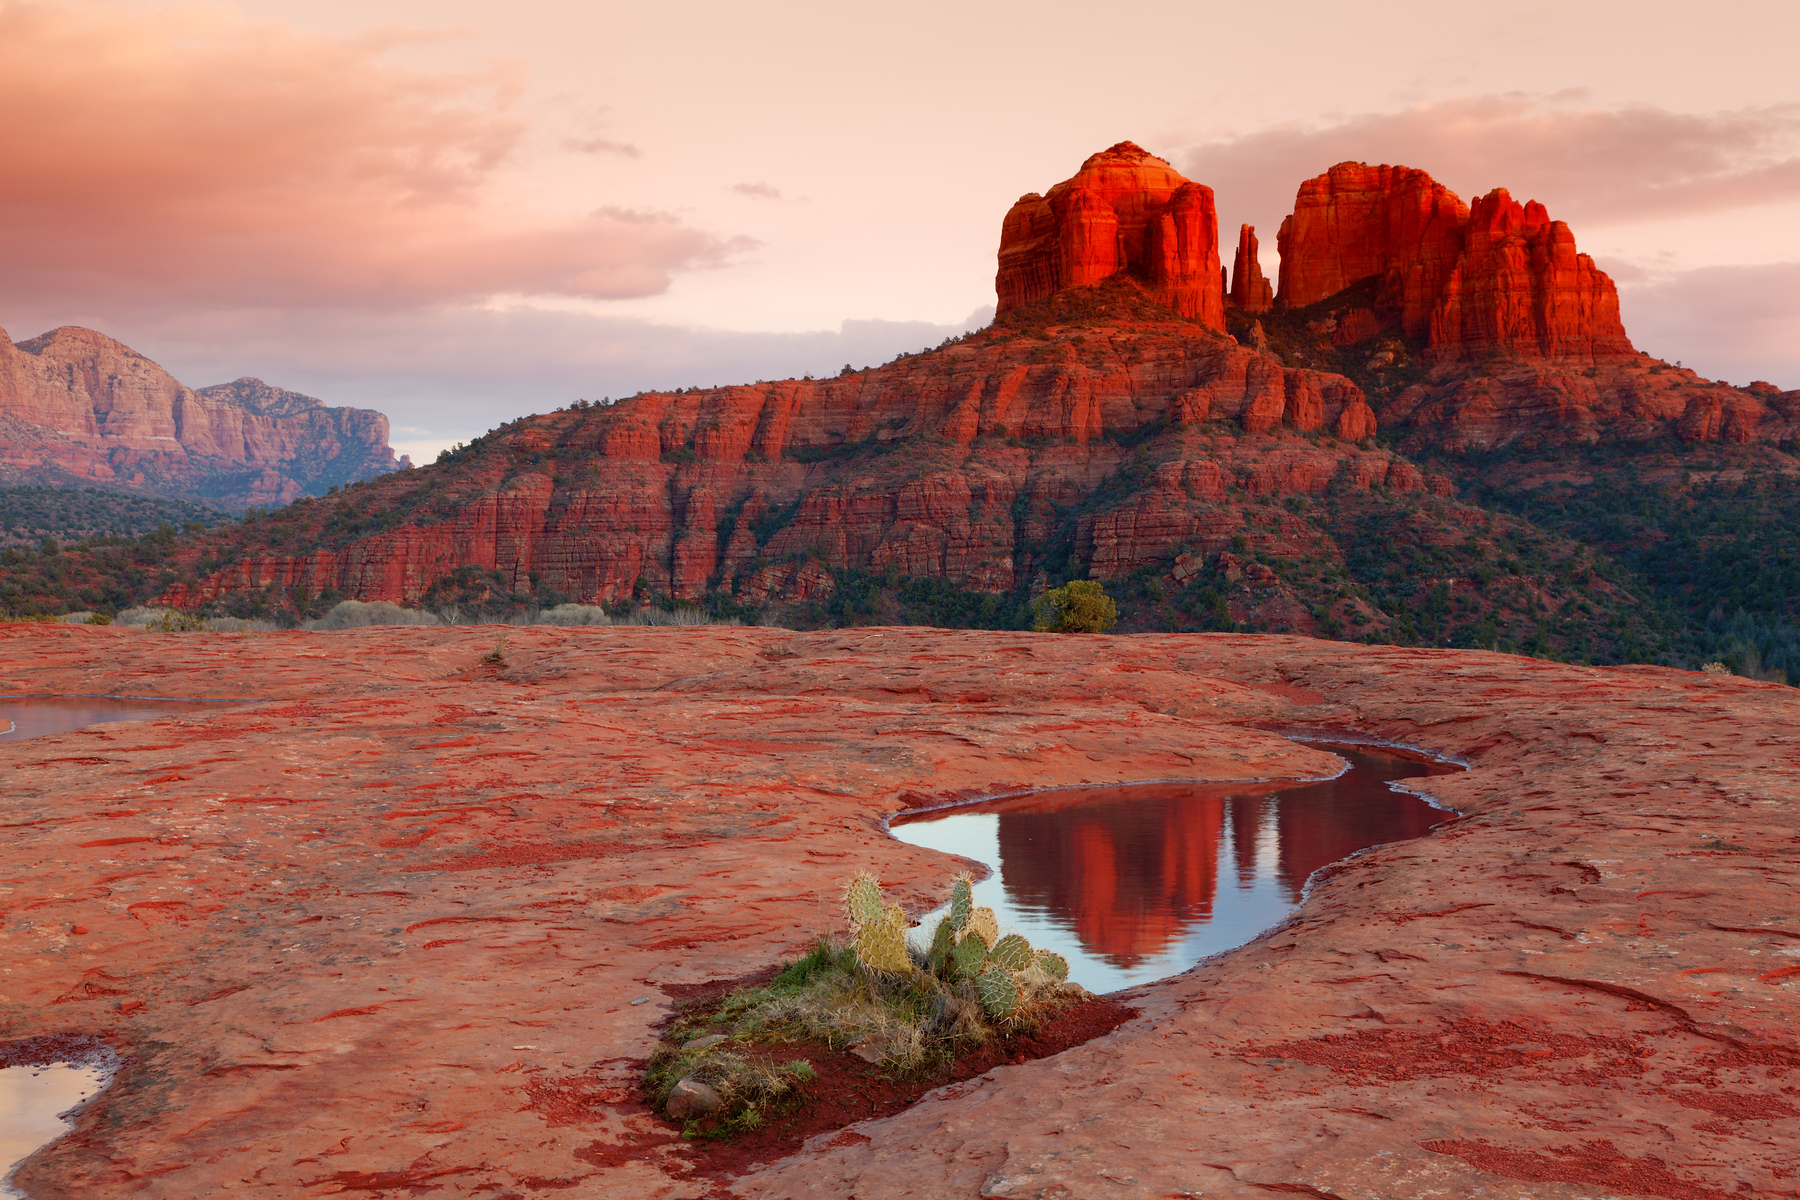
pixel 969 956
pixel 943 944
pixel 1054 965
pixel 962 902
pixel 881 944
pixel 985 925
pixel 862 901
pixel 1012 952
pixel 999 992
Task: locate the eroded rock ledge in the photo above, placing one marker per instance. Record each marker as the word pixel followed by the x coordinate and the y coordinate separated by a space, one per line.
pixel 380 931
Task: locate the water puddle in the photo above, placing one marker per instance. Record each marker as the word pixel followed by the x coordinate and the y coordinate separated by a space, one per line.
pixel 34 716
pixel 1140 882
pixel 38 1099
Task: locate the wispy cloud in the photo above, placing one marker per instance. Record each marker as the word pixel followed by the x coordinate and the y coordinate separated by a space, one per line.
pixel 1587 163
pixel 170 156
pixel 761 191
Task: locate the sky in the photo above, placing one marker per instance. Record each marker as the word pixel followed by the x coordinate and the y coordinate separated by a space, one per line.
pixel 460 211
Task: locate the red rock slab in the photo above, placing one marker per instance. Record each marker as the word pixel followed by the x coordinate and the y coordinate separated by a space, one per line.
pixel 377 931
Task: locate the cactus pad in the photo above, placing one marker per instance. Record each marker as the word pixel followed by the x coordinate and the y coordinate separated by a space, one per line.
pixel 881 944
pixel 969 956
pixel 862 901
pixel 962 902
pixel 984 924
pixel 1054 965
pixel 1012 952
pixel 943 942
pixel 999 991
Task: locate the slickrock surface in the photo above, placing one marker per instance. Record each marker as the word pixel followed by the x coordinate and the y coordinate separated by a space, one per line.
pixel 78 407
pixel 1468 281
pixel 377 931
pixel 1126 211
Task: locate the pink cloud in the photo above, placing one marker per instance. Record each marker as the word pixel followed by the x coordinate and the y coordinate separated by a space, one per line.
pixel 1734 323
pixel 760 191
pixel 177 155
pixel 1585 163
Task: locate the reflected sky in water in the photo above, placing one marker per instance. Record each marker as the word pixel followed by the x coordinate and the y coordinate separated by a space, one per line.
pixel 1136 883
pixel 58 714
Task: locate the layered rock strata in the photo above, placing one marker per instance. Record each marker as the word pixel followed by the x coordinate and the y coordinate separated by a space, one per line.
pixel 1466 281
pixel 948 465
pixel 1125 212
pixel 406 921
pixel 77 406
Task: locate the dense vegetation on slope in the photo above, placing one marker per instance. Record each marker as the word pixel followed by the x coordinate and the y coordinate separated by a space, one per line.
pixel 28 515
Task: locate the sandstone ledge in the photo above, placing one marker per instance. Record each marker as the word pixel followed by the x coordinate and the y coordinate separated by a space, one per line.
pixel 379 931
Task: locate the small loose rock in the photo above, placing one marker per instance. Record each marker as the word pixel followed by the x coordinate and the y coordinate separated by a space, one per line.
pixel 691 1099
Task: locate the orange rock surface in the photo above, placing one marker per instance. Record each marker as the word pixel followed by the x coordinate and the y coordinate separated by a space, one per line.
pixel 78 407
pixel 1250 289
pixel 377 929
pixel 1468 281
pixel 1125 211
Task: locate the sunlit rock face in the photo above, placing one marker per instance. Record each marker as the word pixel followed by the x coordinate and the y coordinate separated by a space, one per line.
pixel 1126 211
pixel 1466 280
pixel 78 407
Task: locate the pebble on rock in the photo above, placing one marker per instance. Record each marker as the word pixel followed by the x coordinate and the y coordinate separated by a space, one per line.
pixel 691 1099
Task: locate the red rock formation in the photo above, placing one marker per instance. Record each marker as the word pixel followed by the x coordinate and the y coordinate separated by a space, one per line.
pixel 1460 404
pixel 1499 277
pixel 1125 211
pixel 1250 288
pixel 77 406
pixel 380 930
pixel 1355 222
pixel 1519 285
pixel 681 494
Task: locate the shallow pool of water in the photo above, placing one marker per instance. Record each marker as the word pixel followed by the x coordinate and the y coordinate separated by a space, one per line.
pixel 32 1100
pixel 1140 882
pixel 39 715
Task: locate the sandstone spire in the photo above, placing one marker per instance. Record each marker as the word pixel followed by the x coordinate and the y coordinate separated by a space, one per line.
pixel 1250 288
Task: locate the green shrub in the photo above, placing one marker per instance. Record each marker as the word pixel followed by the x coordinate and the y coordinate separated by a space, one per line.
pixel 175 621
pixel 1079 606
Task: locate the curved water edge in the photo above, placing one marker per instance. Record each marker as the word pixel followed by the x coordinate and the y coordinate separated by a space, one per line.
pixel 1134 883
pixel 28 716
pixel 46 1083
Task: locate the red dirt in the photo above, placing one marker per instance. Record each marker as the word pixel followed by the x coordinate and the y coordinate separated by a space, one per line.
pixel 849 1090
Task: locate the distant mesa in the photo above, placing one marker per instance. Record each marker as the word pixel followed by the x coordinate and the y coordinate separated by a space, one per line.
pixel 1465 281
pixel 79 408
pixel 1126 212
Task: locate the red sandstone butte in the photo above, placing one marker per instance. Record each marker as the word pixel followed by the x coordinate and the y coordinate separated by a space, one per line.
pixel 376 928
pixel 1250 288
pixel 1467 281
pixel 78 407
pixel 651 480
pixel 1125 211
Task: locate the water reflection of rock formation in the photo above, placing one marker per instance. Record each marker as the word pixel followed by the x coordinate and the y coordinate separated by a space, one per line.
pixel 1131 875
